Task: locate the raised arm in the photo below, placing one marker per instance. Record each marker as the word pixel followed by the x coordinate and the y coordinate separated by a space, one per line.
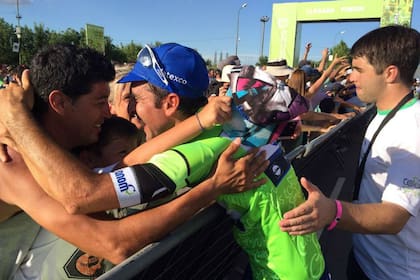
pixel 308 47
pixel 324 57
pixel 318 83
pixel 217 111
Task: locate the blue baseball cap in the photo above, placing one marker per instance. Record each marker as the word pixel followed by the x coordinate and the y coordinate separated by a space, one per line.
pixel 310 71
pixel 172 67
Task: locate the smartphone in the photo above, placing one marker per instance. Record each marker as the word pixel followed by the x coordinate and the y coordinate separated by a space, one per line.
pixel 288 130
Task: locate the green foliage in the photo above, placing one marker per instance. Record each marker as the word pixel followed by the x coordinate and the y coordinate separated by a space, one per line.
pixel 131 50
pixel 262 61
pixel 113 52
pixel 7 37
pixel 209 64
pixel 39 36
pixel 341 49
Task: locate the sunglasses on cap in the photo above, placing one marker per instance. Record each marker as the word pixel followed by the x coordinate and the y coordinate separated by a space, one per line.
pixel 147 58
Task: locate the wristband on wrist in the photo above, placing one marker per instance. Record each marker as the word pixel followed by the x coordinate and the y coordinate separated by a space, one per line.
pixel 199 122
pixel 126 187
pixel 338 214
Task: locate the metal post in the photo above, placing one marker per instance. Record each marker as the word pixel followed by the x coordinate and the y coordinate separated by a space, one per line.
pixel 263 20
pixel 237 27
pixel 18 29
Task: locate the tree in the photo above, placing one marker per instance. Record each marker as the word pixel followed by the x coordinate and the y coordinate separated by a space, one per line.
pixel 262 61
pixel 7 37
pixel 34 39
pixel 28 47
pixel 114 53
pixel 131 50
pixel 71 36
pixel 341 49
pixel 209 63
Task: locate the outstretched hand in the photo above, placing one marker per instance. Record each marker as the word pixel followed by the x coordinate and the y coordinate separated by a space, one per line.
pixel 16 94
pixel 238 175
pixel 217 111
pixel 315 213
pixel 339 60
pixel 12 99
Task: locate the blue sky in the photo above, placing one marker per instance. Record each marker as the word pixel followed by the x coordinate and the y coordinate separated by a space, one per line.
pixel 206 25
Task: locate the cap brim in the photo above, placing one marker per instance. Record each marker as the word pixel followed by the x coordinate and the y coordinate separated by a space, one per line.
pixel 131 77
pixel 140 74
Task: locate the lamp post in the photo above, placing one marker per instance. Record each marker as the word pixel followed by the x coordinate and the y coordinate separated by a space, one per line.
pixel 263 20
pixel 237 27
pixel 18 29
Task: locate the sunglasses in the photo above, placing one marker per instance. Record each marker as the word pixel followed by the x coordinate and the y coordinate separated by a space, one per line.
pixel 147 58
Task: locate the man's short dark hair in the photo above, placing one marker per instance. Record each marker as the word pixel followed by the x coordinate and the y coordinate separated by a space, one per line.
pixel 69 69
pixel 391 45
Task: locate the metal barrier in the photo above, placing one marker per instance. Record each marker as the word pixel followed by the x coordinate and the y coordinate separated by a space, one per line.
pixel 193 251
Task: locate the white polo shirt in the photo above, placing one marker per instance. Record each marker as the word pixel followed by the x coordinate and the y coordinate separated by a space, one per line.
pixel 392 174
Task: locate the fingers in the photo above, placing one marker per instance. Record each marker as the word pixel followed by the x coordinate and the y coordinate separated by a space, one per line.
pixel 259 163
pixel 222 91
pixel 27 86
pixel 299 220
pixel 307 185
pixel 301 210
pixel 255 164
pixel 231 149
pixel 217 111
pixel 297 226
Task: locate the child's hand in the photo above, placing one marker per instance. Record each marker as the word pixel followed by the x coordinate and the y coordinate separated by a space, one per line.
pixel 217 111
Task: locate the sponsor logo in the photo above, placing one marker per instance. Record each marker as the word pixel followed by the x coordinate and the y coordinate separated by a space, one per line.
pixel 412 182
pixel 175 78
pixel 123 185
pixel 276 170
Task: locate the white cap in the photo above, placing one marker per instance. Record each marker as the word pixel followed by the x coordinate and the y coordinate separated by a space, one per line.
pixel 225 73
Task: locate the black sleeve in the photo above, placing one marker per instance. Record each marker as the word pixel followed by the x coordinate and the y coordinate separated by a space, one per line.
pixel 153 183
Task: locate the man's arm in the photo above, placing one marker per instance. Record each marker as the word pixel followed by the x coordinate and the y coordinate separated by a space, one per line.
pixel 85 191
pixel 308 47
pixel 71 183
pixel 319 211
pixel 217 111
pixel 324 57
pixel 115 240
pixel 320 81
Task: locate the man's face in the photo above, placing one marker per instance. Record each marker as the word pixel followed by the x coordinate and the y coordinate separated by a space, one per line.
pixel 85 115
pixel 155 120
pixel 369 85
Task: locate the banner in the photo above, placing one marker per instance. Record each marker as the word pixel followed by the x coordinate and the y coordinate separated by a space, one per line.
pixel 95 37
pixel 397 12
